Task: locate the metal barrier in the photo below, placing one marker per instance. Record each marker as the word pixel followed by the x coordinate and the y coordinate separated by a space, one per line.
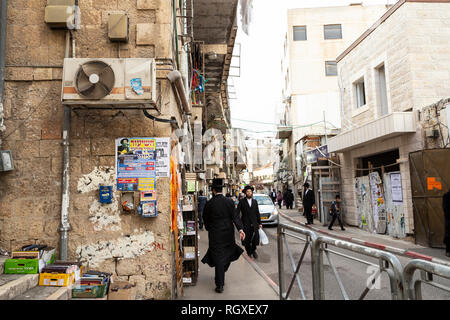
pixel 318 245
pixel 413 289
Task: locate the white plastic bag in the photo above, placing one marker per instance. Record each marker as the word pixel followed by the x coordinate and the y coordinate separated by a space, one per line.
pixel 263 237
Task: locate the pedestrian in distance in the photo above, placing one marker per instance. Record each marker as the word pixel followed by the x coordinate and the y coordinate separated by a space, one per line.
pixel 273 196
pixel 251 219
pixel 289 199
pixel 219 217
pixel 335 212
pixel 446 207
pixel 308 203
pixel 279 198
pixel 201 205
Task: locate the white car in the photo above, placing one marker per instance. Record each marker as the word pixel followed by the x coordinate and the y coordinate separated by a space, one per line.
pixel 267 209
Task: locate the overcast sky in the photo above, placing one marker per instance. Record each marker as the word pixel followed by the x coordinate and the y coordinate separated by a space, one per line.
pixel 258 89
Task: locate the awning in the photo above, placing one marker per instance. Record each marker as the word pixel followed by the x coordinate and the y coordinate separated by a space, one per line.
pixel 391 125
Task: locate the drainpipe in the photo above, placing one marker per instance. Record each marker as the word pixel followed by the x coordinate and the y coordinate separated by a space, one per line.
pixel 65 226
pixel 177 81
pixel 3 15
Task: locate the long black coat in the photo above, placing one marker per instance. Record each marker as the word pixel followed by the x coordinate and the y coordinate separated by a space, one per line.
pixel 251 220
pixel 219 216
pixel 308 200
pixel 446 207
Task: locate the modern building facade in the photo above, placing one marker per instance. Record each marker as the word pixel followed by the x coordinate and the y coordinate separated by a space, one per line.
pixel 395 89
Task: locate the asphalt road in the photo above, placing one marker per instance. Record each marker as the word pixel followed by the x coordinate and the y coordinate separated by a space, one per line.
pixel 354 275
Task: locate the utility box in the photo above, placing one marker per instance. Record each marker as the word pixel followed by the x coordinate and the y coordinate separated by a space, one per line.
pixel 61 14
pixel 118 26
pixel 6 161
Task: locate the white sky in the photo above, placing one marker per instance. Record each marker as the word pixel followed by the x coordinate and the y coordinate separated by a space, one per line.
pixel 259 87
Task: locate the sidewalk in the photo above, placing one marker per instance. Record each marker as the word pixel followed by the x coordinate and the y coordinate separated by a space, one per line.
pixel 379 241
pixel 244 280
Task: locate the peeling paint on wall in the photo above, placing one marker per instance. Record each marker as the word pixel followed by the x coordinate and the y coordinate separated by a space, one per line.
pixel 103 216
pixel 127 247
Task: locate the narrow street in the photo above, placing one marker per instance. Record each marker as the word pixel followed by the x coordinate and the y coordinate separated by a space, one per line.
pixel 354 275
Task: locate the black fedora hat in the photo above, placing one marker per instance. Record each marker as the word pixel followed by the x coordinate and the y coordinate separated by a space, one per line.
pixel 217 183
pixel 248 187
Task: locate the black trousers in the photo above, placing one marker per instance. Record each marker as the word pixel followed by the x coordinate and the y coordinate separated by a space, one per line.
pixel 289 205
pixel 279 203
pixel 309 215
pixel 250 246
pixel 338 216
pixel 200 219
pixel 220 270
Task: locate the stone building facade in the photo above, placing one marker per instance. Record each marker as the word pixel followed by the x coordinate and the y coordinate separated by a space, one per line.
pixel 132 248
pixel 401 64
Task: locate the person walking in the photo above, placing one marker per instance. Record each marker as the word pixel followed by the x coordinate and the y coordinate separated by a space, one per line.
pixel 308 202
pixel 279 198
pixel 335 212
pixel 201 205
pixel 273 196
pixel 251 219
pixel 446 207
pixel 219 215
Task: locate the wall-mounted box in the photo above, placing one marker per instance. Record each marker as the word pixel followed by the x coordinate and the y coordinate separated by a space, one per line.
pixel 62 14
pixel 6 161
pixel 118 27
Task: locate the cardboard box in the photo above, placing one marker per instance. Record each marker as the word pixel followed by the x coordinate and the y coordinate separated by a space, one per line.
pixel 56 279
pixel 189 253
pixel 122 290
pixel 91 291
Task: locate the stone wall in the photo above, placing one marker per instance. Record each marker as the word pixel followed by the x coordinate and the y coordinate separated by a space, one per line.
pixel 132 248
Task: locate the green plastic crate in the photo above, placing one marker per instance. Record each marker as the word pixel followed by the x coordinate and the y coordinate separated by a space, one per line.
pixel 21 266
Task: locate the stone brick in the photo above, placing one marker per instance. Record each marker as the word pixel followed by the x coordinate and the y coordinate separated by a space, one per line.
pixel 50 148
pixel 51 130
pixel 19 74
pixel 26 149
pixel 43 74
pixel 147 4
pixel 126 267
pixel 103 147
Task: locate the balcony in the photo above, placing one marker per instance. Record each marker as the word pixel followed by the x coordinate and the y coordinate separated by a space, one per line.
pixel 284 132
pixel 391 125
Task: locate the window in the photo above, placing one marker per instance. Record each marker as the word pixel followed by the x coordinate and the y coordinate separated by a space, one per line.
pixel 360 93
pixel 380 78
pixel 332 31
pixel 330 68
pixel 299 33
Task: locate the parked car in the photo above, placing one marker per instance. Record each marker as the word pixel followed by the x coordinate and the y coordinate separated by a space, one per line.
pixel 267 209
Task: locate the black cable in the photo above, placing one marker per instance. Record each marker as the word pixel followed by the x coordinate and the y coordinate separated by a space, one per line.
pixel 148 115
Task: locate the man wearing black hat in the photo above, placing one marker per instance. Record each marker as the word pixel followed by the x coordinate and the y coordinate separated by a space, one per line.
pixel 248 207
pixel 308 202
pixel 219 216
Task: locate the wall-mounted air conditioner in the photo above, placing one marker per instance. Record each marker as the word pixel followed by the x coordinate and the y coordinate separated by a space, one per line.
pixel 109 81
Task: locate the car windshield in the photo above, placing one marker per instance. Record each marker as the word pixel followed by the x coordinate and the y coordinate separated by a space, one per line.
pixel 263 200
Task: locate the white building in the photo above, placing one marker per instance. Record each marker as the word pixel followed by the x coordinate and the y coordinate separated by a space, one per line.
pixel 389 75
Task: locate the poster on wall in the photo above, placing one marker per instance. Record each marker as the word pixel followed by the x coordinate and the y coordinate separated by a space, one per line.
pixel 396 186
pixel 379 211
pixel 139 161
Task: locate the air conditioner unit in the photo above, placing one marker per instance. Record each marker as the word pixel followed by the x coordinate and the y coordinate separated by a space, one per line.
pixel 209 174
pixel 109 81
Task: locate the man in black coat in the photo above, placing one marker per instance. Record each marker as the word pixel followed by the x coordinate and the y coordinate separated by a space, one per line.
pixel 251 219
pixel 308 202
pixel 219 216
pixel 446 207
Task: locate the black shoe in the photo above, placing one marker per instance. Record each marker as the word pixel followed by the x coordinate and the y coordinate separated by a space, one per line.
pixel 255 255
pixel 219 289
pixel 343 229
pixel 330 229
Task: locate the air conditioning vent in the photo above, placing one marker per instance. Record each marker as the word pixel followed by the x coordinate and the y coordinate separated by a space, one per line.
pixel 108 82
pixel 94 80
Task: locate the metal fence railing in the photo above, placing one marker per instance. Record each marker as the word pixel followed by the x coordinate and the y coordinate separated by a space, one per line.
pixel 400 279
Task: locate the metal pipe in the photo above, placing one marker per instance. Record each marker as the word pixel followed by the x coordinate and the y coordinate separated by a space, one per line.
pixel 176 79
pixel 280 236
pixel 65 226
pixel 3 16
